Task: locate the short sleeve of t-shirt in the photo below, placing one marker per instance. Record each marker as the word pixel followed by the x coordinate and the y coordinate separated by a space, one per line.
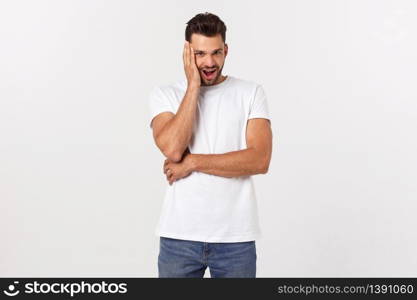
pixel 259 105
pixel 158 103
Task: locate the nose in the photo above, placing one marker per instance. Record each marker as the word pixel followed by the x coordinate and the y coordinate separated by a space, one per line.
pixel 209 61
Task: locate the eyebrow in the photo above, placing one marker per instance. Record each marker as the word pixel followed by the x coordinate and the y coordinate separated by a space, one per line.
pixel 200 51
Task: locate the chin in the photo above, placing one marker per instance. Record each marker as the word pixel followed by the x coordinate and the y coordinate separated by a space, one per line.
pixel 211 82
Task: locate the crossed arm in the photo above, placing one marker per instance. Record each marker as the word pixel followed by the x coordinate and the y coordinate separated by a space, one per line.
pixel 253 160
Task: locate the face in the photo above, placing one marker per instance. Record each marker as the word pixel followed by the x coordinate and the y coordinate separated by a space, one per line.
pixel 210 54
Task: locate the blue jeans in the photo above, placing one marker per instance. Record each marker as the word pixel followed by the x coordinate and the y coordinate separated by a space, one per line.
pixel 183 258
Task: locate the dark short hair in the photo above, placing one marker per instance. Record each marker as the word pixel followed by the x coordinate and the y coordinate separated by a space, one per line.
pixel 206 24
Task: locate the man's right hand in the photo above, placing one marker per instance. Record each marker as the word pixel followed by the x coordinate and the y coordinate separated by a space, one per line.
pixel 190 66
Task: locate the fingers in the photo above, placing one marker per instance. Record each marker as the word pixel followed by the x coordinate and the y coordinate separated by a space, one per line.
pixel 164 167
pixel 170 177
pixel 183 54
pixel 168 172
pixel 192 60
pixel 186 54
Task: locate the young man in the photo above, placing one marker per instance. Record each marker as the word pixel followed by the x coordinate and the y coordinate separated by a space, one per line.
pixel 215 132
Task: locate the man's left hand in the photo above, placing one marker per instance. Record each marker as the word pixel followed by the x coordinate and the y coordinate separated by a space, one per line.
pixel 177 170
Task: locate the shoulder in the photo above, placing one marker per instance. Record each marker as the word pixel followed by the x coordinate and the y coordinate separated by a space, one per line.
pixel 169 89
pixel 175 86
pixel 245 84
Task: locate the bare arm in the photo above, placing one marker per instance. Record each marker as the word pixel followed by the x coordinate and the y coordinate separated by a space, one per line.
pixel 172 132
pixel 253 160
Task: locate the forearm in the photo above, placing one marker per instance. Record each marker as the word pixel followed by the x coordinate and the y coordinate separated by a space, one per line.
pixel 231 164
pixel 175 136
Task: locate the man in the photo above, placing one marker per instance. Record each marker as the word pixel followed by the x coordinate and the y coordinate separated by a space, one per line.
pixel 215 133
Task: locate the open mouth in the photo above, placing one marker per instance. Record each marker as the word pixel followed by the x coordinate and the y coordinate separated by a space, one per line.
pixel 209 74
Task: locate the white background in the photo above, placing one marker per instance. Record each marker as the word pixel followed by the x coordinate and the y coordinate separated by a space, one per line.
pixel 81 182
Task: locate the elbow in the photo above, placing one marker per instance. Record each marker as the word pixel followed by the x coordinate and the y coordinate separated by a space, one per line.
pixel 264 169
pixel 262 160
pixel 173 155
pixel 170 152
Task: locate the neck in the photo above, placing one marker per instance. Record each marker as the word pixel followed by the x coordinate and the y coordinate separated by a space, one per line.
pixel 220 80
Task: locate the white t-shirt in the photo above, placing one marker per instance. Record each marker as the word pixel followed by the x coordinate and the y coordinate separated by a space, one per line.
pixel 204 207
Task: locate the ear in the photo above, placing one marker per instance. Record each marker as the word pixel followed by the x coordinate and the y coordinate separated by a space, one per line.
pixel 226 49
